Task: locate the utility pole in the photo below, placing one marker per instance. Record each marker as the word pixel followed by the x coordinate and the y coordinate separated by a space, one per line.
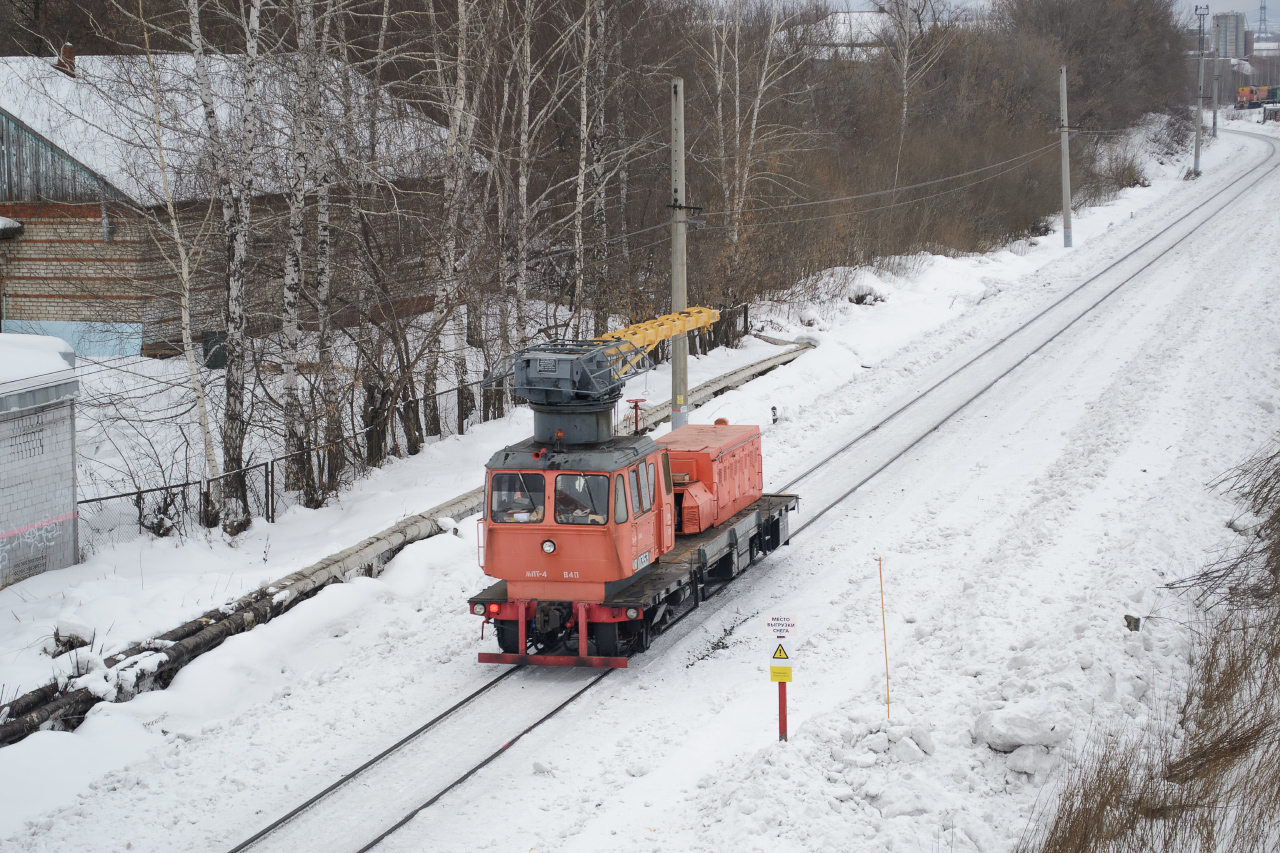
pixel 679 291
pixel 1197 113
pixel 1216 74
pixel 1066 157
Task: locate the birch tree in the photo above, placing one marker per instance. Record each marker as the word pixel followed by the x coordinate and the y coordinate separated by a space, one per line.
pixel 914 38
pixel 585 63
pixel 183 266
pixel 747 75
pixel 543 90
pixel 233 166
pixel 305 107
pixel 458 69
pixel 323 166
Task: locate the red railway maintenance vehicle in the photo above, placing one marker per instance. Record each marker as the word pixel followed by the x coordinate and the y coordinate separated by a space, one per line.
pixel 599 541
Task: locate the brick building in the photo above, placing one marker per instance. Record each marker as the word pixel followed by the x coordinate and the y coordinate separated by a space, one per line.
pixel 78 170
pixel 72 264
pixel 83 254
pixel 37 456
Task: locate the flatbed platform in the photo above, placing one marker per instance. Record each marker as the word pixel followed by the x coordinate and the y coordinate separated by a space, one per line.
pixel 699 552
pixel 695 569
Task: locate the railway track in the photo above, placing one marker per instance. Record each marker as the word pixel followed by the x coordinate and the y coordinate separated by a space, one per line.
pixel 385 794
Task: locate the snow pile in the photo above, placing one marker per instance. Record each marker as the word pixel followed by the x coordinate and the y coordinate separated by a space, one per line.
pixel 105 117
pixel 34 361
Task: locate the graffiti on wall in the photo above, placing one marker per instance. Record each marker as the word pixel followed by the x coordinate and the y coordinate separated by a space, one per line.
pixel 27 551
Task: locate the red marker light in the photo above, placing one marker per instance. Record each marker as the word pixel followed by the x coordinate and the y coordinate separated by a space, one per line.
pixel 493 608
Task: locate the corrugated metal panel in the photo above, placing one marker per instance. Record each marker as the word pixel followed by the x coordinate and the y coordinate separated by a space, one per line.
pixel 33 169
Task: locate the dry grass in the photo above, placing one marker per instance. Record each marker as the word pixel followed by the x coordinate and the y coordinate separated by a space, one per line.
pixel 1205 777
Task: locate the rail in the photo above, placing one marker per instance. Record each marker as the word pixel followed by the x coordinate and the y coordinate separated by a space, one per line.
pixel 826 460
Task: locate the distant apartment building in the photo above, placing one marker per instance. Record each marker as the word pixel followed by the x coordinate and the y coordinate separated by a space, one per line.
pixel 1229 35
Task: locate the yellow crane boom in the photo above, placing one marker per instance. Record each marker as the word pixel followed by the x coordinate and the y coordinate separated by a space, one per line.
pixel 647 335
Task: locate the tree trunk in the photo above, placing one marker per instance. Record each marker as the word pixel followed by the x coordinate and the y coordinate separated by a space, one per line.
pixel 235 517
pixel 334 456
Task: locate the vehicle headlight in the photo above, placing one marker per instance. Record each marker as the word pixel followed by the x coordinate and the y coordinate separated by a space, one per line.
pixel 477 609
pixel 548 547
pixel 633 613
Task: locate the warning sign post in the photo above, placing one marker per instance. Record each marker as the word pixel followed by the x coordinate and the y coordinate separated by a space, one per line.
pixel 780 665
pixel 781 661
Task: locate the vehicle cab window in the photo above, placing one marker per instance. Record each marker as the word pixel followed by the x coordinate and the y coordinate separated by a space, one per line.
pixel 582 499
pixel 620 500
pixel 517 497
pixel 640 501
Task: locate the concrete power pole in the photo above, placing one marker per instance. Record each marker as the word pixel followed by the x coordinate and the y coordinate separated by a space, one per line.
pixel 1198 113
pixel 679 291
pixel 1066 157
pixel 1216 75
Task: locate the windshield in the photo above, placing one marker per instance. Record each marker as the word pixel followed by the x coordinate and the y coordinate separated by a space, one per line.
pixel 517 497
pixel 582 499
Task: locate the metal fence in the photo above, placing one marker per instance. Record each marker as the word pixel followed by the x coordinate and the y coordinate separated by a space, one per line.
pixel 275 486
pixel 271 487
pixel 162 511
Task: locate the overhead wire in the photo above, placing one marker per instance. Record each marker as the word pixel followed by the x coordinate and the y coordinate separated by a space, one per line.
pixel 877 193
pixel 861 211
pixel 1020 161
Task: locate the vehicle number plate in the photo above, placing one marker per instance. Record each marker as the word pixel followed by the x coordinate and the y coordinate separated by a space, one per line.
pixel 642 561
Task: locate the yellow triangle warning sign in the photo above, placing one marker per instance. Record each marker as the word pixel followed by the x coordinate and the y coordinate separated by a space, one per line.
pixel 781 653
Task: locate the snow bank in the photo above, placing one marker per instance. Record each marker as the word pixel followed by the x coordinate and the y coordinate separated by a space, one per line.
pixel 105 117
pixel 34 361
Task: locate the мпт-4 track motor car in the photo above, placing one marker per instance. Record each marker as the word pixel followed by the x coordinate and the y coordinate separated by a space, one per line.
pixel 599 541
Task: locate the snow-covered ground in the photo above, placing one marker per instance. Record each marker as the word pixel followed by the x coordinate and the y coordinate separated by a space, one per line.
pixel 1014 540
pixel 126 593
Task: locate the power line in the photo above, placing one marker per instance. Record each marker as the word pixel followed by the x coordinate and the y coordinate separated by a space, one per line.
pixel 889 191
pixel 1042 153
pixel 1028 157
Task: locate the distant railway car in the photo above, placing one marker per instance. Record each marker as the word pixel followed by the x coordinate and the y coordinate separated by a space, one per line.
pixel 1252 97
pixel 599 542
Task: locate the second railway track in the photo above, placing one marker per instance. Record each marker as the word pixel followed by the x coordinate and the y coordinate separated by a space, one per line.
pixel 360 810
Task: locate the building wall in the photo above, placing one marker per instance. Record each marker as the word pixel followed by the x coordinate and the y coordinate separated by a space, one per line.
pixel 1228 35
pixel 37 490
pixel 67 265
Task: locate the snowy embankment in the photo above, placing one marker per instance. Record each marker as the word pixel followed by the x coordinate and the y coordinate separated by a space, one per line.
pixel 1015 540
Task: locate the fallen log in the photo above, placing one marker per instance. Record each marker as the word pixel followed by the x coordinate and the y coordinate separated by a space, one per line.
pixel 174 649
